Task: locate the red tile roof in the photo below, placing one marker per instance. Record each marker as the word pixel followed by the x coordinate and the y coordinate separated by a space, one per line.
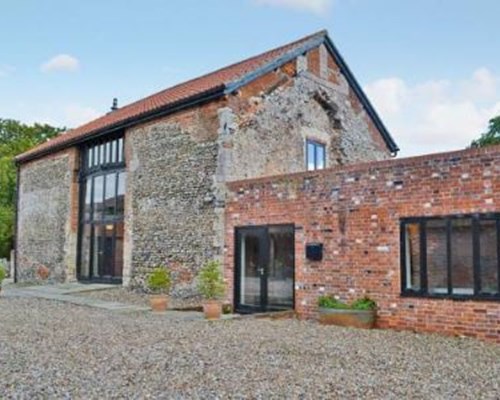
pixel 166 98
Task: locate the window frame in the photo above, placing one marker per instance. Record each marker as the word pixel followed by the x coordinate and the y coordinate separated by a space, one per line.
pixel 317 144
pixel 423 291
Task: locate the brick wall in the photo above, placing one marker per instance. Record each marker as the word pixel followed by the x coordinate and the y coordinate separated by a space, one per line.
pixel 355 212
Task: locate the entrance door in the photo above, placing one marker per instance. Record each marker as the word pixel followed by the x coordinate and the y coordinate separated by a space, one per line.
pixel 264 268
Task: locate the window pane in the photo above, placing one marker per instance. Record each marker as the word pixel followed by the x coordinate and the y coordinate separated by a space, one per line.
pixel 412 256
pixel 310 156
pixel 101 154
pixel 320 156
pixel 87 212
pixel 97 251
pixel 118 259
pixel 462 264
pixel 281 266
pixel 120 150
pixel 488 242
pixel 437 269
pixel 109 198
pixel 98 197
pixel 121 193
pixel 107 155
pixel 90 160
pixel 95 150
pixel 114 149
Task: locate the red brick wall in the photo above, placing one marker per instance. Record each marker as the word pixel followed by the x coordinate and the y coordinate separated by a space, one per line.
pixel 355 212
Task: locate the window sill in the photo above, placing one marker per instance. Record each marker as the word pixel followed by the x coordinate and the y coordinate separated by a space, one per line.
pixel 456 297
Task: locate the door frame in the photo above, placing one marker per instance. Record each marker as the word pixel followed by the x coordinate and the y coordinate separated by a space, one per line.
pixel 264 306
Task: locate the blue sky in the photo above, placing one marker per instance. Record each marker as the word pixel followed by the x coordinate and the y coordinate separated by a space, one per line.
pixel 431 68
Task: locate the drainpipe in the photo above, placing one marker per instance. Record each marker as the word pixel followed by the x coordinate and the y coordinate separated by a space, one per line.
pixel 16 220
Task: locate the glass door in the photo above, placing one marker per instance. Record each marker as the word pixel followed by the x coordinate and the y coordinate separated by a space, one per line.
pixel 264 274
pixel 251 261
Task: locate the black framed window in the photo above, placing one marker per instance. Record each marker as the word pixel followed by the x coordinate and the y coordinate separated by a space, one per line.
pixel 315 155
pixel 455 256
pixel 103 180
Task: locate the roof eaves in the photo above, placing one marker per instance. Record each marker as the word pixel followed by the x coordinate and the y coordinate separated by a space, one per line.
pixel 391 144
pixel 203 97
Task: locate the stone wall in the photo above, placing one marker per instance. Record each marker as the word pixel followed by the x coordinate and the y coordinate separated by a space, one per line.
pixel 47 218
pixel 355 212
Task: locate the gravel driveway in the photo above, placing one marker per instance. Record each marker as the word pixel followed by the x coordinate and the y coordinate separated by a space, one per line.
pixel 55 350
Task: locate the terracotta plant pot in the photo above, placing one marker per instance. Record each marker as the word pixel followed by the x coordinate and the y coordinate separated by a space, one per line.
pixel 351 318
pixel 212 309
pixel 159 302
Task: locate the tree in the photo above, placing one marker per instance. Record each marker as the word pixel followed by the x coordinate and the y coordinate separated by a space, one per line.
pixel 491 137
pixel 15 138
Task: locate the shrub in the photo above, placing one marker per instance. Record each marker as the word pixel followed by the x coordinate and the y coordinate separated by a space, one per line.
pixel 364 303
pixel 210 282
pixel 3 274
pixel 160 280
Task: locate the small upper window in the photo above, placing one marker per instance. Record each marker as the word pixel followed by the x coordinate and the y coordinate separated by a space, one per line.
pixel 104 154
pixel 315 157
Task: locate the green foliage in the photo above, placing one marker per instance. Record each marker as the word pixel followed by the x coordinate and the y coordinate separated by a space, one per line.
pixel 491 137
pixel 15 138
pixel 210 282
pixel 3 274
pixel 160 280
pixel 364 303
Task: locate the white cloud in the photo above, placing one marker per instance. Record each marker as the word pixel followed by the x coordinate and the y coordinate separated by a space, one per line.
pixel 61 62
pixel 315 6
pixel 436 115
pixel 6 70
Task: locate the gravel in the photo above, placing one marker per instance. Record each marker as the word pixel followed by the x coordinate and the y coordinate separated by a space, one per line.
pixel 58 350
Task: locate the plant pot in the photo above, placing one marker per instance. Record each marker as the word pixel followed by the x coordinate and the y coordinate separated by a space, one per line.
pixel 159 302
pixel 212 309
pixel 351 318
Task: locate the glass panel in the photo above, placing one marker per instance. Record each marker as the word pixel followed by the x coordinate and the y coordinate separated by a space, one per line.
pixel 90 158
pixel 107 158
pixel 437 269
pixel 114 150
pixel 109 197
pixel 98 197
pixel 310 156
pixel 85 251
pixel 462 264
pixel 120 150
pixel 87 211
pixel 412 256
pixel 95 150
pixel 118 259
pixel 488 243
pixel 320 156
pixel 107 250
pixel 120 198
pixel 101 154
pixel 97 251
pixel 250 269
pixel 281 265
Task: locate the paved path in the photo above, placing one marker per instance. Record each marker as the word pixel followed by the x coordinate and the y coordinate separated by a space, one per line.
pixel 68 293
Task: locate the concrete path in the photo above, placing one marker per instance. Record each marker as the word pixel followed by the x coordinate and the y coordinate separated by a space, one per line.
pixel 66 293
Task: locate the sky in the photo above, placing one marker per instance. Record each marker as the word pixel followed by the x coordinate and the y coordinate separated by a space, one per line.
pixel 430 67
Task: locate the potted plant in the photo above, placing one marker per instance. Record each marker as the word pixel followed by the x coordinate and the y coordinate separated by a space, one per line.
pixel 211 287
pixel 159 283
pixel 359 314
pixel 3 274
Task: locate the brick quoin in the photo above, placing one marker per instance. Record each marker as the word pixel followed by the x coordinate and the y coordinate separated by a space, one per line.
pixel 355 212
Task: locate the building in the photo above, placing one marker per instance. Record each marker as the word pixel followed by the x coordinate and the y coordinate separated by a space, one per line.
pixel 146 184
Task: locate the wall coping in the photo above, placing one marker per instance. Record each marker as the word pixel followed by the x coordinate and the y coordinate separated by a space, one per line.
pixel 372 166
